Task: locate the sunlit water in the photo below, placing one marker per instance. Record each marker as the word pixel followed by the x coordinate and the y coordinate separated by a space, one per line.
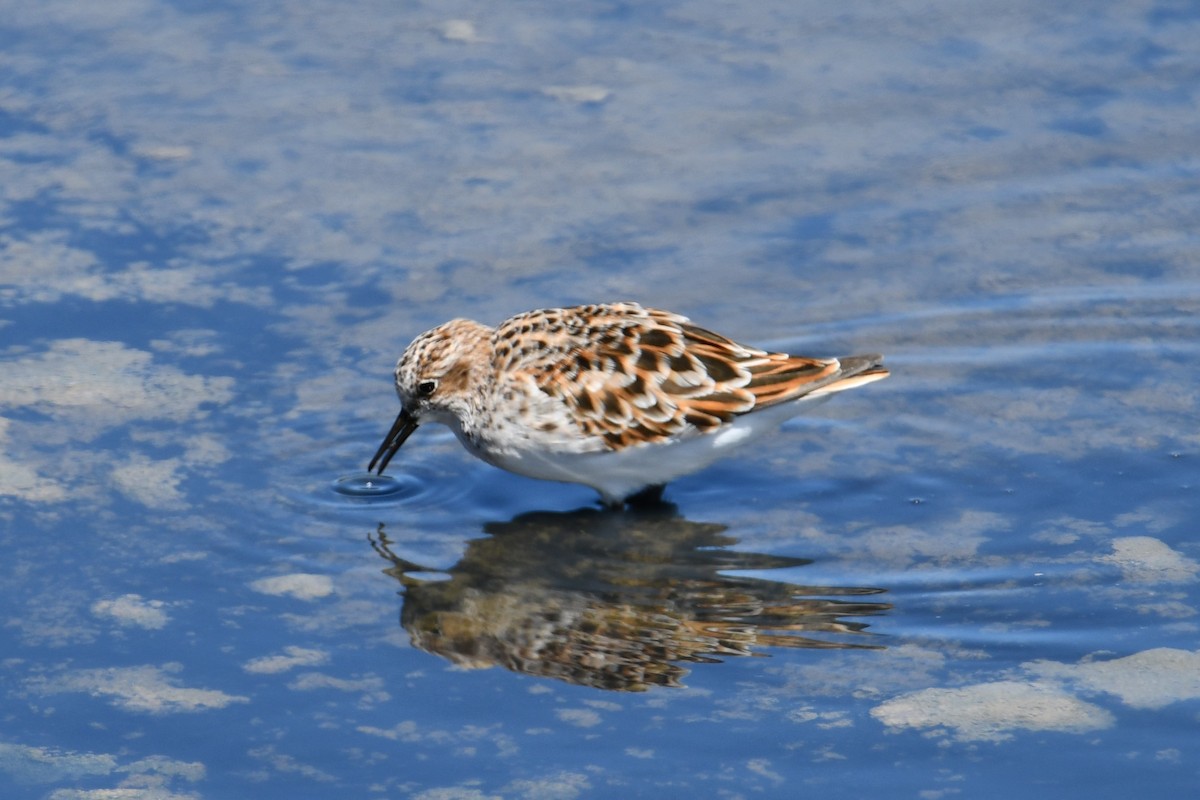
pixel 977 578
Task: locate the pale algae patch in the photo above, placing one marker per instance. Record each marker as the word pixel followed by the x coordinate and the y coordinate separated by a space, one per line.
pixel 147 689
pixel 466 739
pixel 370 688
pixel 578 94
pixel 300 585
pixel 1144 559
pixel 459 30
pixel 291 658
pixel 132 610
pixel 148 778
pixel 579 717
pixel 153 483
pixel 86 388
pixel 1150 679
pixel 40 267
pixel 21 480
pixel 993 711
pixel 46 764
pixel 107 383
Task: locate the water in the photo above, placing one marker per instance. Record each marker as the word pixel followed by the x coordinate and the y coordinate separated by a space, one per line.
pixel 221 225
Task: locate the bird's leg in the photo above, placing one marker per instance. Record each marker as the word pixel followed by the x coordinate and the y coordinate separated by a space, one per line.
pixel 650 496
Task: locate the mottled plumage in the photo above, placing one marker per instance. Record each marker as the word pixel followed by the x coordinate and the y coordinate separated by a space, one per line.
pixel 617 397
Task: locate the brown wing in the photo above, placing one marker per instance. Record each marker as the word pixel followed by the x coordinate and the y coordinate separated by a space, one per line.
pixel 631 375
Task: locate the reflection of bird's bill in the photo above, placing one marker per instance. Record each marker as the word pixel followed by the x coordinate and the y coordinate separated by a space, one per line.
pixel 401 567
pixel 402 428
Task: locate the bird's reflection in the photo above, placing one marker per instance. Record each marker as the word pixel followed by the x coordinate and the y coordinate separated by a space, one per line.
pixel 616 600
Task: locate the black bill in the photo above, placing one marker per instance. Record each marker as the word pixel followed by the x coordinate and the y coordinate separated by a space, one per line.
pixel 402 428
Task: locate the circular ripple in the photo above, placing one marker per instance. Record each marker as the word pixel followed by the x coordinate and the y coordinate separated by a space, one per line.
pixel 366 484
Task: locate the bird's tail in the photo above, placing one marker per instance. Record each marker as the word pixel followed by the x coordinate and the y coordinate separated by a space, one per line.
pixel 855 371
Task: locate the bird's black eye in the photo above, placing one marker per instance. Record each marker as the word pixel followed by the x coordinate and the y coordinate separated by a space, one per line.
pixel 426 388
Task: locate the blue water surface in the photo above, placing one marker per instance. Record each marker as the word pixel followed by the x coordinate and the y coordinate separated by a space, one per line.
pixel 221 223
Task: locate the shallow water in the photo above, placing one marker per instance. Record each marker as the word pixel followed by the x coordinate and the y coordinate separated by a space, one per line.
pixel 221 225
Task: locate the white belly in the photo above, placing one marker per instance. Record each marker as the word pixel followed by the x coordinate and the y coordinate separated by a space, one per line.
pixel 617 474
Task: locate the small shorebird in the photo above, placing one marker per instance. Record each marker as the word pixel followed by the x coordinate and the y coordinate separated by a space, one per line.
pixel 617 397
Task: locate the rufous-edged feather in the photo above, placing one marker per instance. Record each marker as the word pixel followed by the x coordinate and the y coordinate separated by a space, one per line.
pixel 631 375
